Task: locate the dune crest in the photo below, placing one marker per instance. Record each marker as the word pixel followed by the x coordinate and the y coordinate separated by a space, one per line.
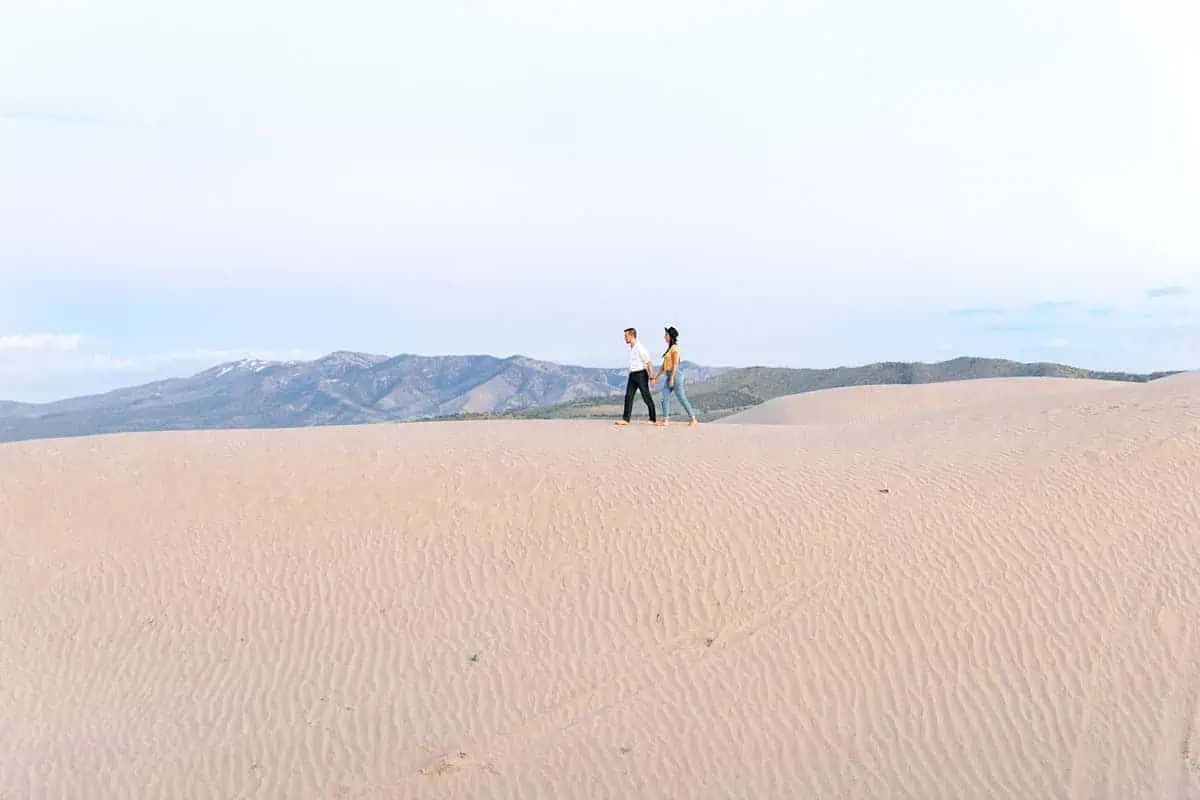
pixel 955 591
pixel 879 403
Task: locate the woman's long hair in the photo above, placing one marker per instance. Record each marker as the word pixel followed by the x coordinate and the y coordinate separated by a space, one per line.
pixel 672 337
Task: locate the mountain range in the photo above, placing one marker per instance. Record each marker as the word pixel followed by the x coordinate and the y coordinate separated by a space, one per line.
pixel 735 390
pixel 345 388
pixel 340 388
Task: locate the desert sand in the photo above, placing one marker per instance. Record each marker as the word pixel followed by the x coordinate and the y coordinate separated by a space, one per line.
pixel 859 404
pixel 978 590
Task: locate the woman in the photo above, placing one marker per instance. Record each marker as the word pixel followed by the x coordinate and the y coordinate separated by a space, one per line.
pixel 674 379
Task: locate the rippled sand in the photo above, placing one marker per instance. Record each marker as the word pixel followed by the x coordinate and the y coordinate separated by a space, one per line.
pixel 966 591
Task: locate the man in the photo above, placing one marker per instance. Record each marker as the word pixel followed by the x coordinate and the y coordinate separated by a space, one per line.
pixel 641 372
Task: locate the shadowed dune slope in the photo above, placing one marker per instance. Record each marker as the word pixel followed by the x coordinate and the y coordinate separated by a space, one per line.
pixel 561 609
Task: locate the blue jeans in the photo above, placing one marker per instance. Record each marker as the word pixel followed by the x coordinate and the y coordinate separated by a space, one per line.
pixel 678 390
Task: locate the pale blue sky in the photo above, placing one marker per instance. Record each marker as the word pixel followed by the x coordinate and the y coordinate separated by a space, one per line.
pixel 794 183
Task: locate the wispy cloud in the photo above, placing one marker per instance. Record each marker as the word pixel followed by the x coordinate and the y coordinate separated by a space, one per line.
pixel 202 357
pixel 56 116
pixel 1167 291
pixel 1038 310
pixel 1018 326
pixel 85 118
pixel 977 312
pixel 32 360
pixel 31 343
pixel 1074 319
pixel 1051 306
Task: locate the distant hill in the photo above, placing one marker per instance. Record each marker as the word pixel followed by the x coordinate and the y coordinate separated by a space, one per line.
pixel 341 388
pixel 346 388
pixel 738 389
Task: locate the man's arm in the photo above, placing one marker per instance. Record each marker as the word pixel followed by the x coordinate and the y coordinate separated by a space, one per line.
pixel 645 354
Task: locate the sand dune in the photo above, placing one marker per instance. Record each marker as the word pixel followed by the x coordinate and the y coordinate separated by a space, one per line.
pixel 859 404
pixel 561 609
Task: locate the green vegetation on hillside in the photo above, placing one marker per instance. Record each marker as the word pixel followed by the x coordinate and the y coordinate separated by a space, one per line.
pixel 739 389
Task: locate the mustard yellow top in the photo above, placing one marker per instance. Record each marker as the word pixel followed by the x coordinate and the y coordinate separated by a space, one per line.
pixel 671 360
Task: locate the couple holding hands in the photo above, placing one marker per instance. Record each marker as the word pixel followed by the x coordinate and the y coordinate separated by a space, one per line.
pixel 641 375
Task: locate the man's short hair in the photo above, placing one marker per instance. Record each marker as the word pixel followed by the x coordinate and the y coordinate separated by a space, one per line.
pixel 631 331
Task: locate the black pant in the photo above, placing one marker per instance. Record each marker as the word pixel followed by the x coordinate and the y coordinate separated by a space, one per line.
pixel 639 382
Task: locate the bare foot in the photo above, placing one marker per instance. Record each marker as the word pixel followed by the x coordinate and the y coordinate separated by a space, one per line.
pixel 664 423
pixel 693 423
pixel 621 423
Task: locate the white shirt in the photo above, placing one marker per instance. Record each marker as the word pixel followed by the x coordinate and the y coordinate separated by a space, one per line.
pixel 639 356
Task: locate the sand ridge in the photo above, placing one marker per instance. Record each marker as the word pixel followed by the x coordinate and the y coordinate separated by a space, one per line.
pixel 893 402
pixel 554 609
